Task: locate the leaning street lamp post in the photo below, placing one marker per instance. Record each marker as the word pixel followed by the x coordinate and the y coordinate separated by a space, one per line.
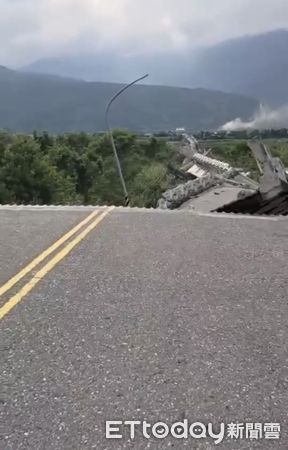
pixel 112 138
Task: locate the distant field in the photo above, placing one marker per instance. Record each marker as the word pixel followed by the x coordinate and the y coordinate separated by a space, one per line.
pixel 237 153
pixel 228 142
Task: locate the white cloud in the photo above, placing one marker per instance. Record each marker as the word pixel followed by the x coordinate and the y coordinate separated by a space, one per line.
pixel 31 29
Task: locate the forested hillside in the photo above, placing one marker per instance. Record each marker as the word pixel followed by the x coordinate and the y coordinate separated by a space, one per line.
pixel 41 102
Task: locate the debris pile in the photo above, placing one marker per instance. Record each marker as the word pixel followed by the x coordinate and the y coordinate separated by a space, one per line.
pixel 218 187
pixel 173 198
pixel 272 195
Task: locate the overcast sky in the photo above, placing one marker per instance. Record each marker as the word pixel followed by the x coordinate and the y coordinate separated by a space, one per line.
pixel 32 29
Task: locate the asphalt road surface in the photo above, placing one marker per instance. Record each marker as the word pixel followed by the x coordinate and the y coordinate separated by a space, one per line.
pixel 141 315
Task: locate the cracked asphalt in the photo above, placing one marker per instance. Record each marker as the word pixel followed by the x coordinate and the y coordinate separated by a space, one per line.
pixel 156 316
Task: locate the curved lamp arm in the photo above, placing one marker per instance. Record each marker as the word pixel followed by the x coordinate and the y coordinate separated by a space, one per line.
pixel 112 138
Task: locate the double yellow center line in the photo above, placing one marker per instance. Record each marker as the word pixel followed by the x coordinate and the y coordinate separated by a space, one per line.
pixel 88 224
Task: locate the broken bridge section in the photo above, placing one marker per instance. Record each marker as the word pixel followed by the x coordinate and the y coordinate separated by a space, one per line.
pixel 218 187
pixel 272 196
pixel 256 205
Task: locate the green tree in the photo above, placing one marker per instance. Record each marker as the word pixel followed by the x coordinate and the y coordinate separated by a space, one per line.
pixel 81 168
pixel 149 185
pixel 29 176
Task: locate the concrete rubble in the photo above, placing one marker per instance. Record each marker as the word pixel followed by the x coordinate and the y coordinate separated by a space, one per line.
pixel 173 198
pixel 217 184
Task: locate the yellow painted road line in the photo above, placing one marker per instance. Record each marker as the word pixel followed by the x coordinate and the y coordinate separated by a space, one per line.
pixel 16 278
pixel 13 301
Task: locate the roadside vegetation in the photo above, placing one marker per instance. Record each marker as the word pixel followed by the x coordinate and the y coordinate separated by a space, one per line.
pixel 80 169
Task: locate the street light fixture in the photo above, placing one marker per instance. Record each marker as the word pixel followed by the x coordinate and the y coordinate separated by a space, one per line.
pixel 112 138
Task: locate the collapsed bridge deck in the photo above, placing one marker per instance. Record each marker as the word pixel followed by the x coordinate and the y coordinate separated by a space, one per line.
pixel 256 205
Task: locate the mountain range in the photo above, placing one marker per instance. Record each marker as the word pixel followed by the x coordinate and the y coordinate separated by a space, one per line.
pixel 47 102
pixel 219 84
pixel 254 66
